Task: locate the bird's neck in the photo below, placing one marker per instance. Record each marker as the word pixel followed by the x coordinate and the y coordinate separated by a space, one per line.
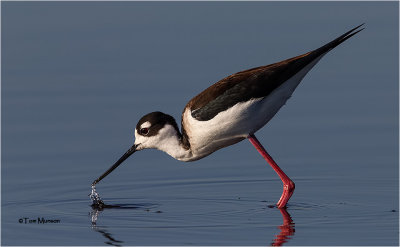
pixel 174 144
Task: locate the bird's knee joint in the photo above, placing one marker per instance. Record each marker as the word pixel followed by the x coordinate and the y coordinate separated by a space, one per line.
pixel 289 186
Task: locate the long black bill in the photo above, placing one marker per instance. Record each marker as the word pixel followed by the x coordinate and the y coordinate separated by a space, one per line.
pixel 119 162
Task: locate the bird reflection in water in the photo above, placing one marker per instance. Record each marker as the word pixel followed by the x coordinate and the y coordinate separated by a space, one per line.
pixel 287 229
pixel 111 241
pixel 96 209
pixel 98 206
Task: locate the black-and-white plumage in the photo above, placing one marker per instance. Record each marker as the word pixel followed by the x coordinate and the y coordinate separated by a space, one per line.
pixel 229 111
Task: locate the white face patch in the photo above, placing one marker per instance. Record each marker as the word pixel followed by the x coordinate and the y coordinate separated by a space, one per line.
pixel 138 140
pixel 166 140
pixel 145 125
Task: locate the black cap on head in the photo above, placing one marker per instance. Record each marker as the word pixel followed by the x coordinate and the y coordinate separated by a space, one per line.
pixel 157 121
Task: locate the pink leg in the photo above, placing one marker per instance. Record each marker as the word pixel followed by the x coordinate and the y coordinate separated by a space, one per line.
pixel 288 185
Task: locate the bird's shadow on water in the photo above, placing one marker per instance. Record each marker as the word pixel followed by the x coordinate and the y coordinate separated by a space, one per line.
pixel 287 228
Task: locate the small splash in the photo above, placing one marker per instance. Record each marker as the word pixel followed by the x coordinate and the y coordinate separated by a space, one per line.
pixel 96 200
pixel 94 214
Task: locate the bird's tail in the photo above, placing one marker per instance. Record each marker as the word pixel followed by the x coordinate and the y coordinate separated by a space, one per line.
pixel 337 41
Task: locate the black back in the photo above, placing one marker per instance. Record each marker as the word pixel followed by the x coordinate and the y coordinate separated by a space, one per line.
pixel 254 83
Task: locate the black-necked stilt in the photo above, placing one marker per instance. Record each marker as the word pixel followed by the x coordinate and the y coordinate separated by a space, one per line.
pixel 228 112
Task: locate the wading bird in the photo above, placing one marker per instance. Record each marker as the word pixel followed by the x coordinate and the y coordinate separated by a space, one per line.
pixel 229 111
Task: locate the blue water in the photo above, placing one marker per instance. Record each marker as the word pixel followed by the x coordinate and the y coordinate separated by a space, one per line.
pixel 77 76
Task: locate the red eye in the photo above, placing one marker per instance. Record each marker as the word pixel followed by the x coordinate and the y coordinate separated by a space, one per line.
pixel 144 131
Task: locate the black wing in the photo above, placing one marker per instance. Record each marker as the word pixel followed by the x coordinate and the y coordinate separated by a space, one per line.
pixel 255 83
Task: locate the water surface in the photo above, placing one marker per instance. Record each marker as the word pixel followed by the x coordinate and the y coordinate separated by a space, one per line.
pixel 77 76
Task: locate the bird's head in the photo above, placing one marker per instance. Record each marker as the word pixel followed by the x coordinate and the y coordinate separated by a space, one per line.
pixel 154 130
